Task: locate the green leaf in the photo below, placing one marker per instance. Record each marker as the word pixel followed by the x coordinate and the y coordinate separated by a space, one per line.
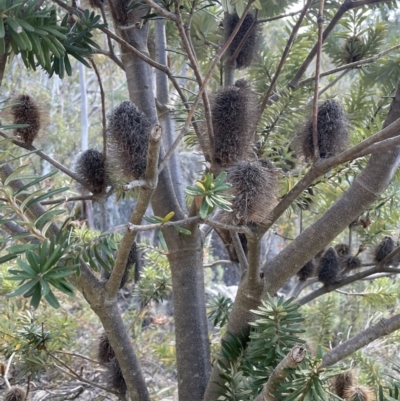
pixel 23 288
pixel 36 296
pixel 52 300
pixel 182 230
pixel 204 209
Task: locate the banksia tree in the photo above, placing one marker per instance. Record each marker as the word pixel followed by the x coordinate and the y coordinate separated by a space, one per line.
pixel 128 140
pixel 91 170
pixel 333 131
pixel 255 187
pixel 246 54
pixel 115 377
pixel 15 393
pixel 383 249
pixel 358 393
pixel 306 271
pixel 232 114
pixel 25 110
pixel 328 268
pixel 342 382
pixel 104 353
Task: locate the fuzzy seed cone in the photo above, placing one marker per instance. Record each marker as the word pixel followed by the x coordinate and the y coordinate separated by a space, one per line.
pixel 105 353
pixel 306 271
pixel 342 249
pixel 333 131
pixel 15 393
pixel 255 188
pixel 248 51
pixel 359 393
pixel 114 376
pixel 383 249
pixel 128 140
pixel 26 110
pixel 233 122
pixel 328 268
pixel 350 262
pixel 343 381
pixel 90 169
pixel 353 49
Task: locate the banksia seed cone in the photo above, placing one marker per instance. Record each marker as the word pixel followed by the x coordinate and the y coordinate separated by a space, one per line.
pixel 342 249
pixel 353 49
pixel 306 271
pixel 343 381
pixel 328 268
pixel 383 249
pixel 255 187
pixel 333 131
pixel 245 56
pixel 26 110
pixel 115 378
pixel 351 262
pixel 90 169
pixel 128 140
pixel 358 393
pixel 233 122
pixel 105 353
pixel 15 393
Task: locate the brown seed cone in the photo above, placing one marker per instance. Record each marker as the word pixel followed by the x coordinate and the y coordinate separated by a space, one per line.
pixel 114 376
pixel 91 170
pixel 255 187
pixel 105 353
pixel 26 110
pixel 15 393
pixel 328 268
pixel 128 134
pixel 233 122
pixel 248 51
pixel 350 262
pixel 333 131
pixel 383 249
pixel 358 393
pixel 306 271
pixel 343 381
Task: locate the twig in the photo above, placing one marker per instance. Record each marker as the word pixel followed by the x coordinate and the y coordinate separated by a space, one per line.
pixel 350 66
pixel 145 194
pixel 383 328
pixel 244 264
pixel 110 56
pixel 7 370
pixel 162 11
pixel 229 227
pixel 289 43
pixel 217 262
pixel 78 356
pixel 66 199
pixel 149 227
pixel 44 156
pixel 294 358
pixel 262 21
pixel 103 105
pixel 334 82
pixel 316 86
pixel 134 184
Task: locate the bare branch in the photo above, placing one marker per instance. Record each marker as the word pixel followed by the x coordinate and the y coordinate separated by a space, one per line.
pixel 365 337
pixel 150 227
pixel 151 176
pixel 283 58
pixel 162 11
pixel 334 82
pixel 229 227
pixel 111 56
pixel 316 86
pixel 67 199
pixel 239 251
pixel 262 21
pixel 294 358
pixel 218 262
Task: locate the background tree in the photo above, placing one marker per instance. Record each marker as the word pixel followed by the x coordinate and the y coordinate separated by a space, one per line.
pixel 246 132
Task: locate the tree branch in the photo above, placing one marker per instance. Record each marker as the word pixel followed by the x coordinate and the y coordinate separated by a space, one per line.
pixel 283 58
pixel 151 176
pixel 262 21
pixel 162 11
pixel 294 358
pixel 239 251
pixel 365 337
pixel 150 227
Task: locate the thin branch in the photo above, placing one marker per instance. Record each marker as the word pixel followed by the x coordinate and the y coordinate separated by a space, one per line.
pixel 110 55
pixel 103 105
pixel 229 227
pixel 316 86
pixel 150 227
pixel 334 82
pixel 162 11
pixel 46 157
pixel 66 199
pixel 145 194
pixel 134 184
pixel 244 264
pixel 7 370
pixel 365 337
pixel 67 370
pixel 283 58
pixel 218 262
pixel 350 66
pixel 262 21
pixel 78 356
pixel 13 229
pixel 294 358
